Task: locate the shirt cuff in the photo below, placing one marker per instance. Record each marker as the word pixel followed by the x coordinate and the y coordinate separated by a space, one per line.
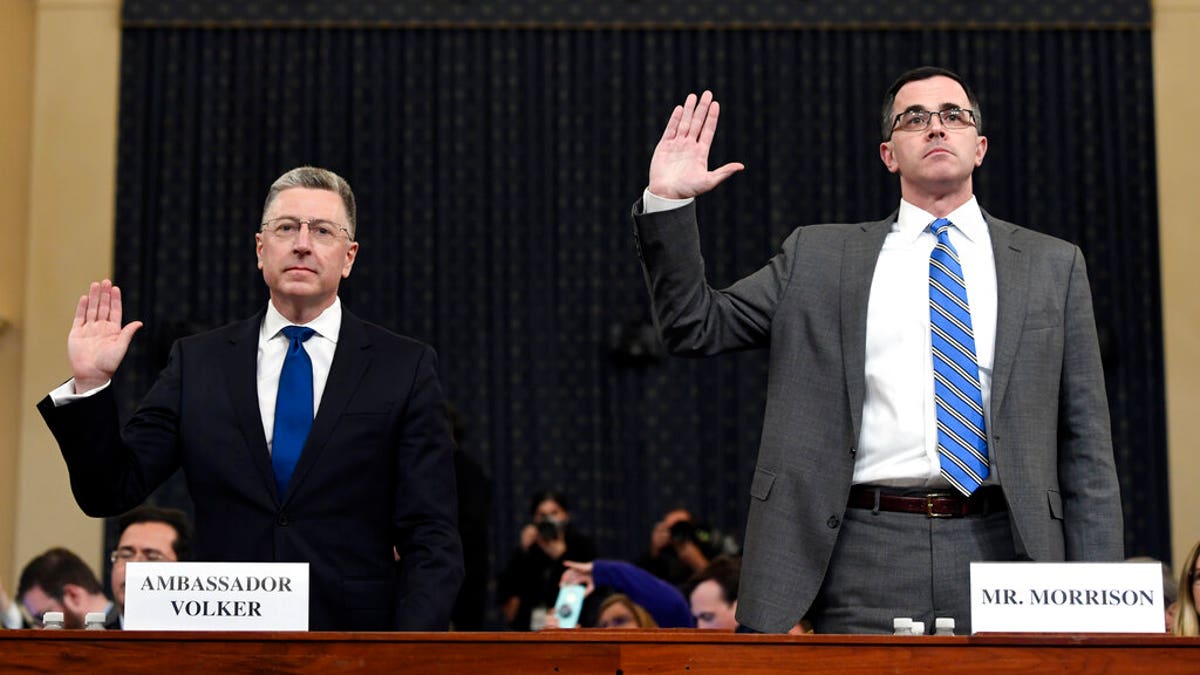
pixel 12 616
pixel 652 203
pixel 65 393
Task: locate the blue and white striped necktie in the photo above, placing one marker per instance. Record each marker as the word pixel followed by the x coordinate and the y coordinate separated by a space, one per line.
pixel 962 434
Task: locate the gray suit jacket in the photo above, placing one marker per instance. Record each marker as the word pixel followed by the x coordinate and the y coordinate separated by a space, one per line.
pixel 1049 436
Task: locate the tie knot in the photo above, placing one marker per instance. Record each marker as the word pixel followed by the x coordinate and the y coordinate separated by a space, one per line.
pixel 298 333
pixel 940 226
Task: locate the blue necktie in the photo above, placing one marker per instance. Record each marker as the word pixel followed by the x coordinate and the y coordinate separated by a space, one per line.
pixel 961 436
pixel 293 407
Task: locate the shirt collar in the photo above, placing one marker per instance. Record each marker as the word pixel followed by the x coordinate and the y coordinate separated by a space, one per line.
pixel 327 325
pixel 912 220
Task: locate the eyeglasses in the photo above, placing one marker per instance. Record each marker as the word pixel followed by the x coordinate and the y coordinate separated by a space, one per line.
pixel 127 553
pixel 287 228
pixel 919 120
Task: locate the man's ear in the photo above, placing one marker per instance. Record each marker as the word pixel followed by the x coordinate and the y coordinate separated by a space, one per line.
pixel 888 157
pixel 348 263
pixel 73 598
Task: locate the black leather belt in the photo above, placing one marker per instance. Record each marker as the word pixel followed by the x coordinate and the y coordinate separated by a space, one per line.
pixel 934 504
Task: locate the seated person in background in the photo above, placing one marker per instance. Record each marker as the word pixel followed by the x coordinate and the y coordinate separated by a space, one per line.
pixel 530 579
pixel 59 581
pixel 713 596
pixel 1186 620
pixel 1170 588
pixel 618 611
pixel 713 592
pixel 660 599
pixel 146 534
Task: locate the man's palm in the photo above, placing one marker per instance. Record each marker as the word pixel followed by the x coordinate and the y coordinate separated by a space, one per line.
pixel 97 343
pixel 679 167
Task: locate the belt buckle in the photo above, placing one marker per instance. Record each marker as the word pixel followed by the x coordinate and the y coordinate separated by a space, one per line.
pixel 929 509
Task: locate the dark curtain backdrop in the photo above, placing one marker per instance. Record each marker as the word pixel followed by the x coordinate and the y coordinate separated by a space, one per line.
pixel 495 169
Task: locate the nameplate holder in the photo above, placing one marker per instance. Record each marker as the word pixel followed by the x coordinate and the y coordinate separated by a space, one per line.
pixel 200 596
pixel 1029 597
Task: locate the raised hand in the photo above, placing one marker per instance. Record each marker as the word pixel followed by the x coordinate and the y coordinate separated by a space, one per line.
pixel 97 343
pixel 679 167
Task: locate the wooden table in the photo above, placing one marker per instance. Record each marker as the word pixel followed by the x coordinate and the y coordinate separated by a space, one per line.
pixel 688 652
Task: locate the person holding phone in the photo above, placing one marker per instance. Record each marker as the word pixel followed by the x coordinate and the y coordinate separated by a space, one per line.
pixel 616 612
pixel 530 580
pixel 664 602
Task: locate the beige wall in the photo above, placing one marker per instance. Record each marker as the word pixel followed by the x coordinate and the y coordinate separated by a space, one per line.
pixel 1177 111
pixel 16 81
pixel 68 241
pixel 57 168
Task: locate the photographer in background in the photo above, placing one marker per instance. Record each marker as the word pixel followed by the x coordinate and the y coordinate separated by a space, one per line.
pixel 530 580
pixel 681 547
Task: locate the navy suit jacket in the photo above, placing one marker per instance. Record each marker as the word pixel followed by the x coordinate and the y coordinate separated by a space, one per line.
pixel 377 471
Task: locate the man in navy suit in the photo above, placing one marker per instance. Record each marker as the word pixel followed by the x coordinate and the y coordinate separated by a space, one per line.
pixel 374 477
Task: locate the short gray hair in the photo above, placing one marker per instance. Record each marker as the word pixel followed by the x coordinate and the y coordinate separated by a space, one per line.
pixel 318 179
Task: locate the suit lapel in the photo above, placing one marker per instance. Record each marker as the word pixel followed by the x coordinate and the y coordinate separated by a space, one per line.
pixel 858 269
pixel 1012 288
pixel 350 361
pixel 241 379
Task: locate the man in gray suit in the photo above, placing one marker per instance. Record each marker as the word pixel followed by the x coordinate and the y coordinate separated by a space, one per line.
pixel 863 508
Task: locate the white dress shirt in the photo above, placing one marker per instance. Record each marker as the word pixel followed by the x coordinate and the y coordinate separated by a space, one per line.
pixel 272 347
pixel 897 443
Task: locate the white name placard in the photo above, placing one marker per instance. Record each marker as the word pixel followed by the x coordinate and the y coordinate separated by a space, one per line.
pixel 216 596
pixel 1028 597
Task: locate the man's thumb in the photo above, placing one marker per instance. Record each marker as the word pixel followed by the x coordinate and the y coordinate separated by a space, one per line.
pixel 128 331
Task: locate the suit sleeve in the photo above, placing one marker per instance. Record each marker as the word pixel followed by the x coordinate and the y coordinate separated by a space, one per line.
pixel 694 318
pixel 425 509
pixel 663 601
pixel 113 470
pixel 1092 519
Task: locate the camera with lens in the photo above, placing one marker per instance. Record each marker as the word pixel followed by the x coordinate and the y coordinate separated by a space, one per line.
pixel 711 541
pixel 549 529
pixel 683 531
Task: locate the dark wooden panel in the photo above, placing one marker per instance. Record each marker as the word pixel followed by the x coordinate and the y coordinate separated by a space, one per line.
pixel 625 14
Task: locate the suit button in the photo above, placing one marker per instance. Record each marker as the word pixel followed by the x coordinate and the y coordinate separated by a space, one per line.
pixel 282 520
pixel 832 522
